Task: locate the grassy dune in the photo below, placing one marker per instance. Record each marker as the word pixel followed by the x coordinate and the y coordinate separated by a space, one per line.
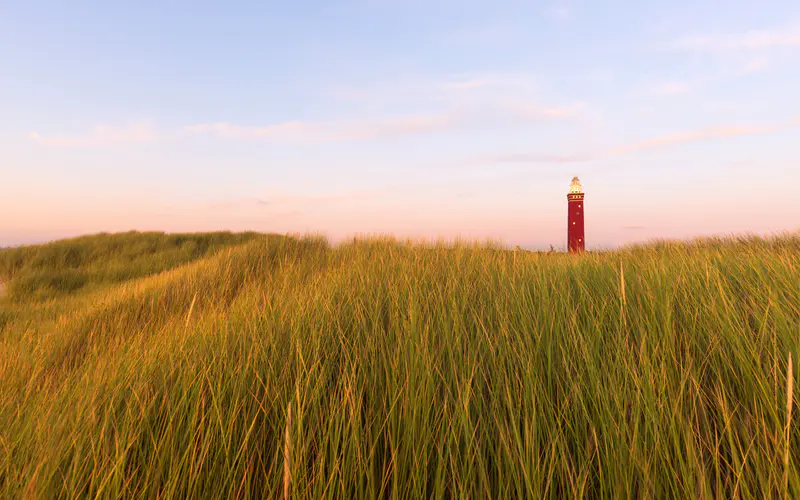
pixel 222 365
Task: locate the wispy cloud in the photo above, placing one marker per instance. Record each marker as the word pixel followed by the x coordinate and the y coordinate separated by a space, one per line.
pixel 672 88
pixel 101 135
pixel 486 81
pixel 281 204
pixel 525 158
pixel 755 65
pixel 372 128
pixel 747 67
pixel 632 227
pixel 708 133
pixel 533 112
pixel 465 84
pixel 663 141
pixel 284 199
pixel 749 40
pixel 485 33
pixel 345 130
pixel 469 90
pixel 560 12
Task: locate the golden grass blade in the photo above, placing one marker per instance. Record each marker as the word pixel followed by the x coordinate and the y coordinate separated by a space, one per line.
pixel 789 402
pixel 287 455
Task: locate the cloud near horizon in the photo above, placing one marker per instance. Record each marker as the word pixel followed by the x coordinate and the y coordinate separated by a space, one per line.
pixel 284 201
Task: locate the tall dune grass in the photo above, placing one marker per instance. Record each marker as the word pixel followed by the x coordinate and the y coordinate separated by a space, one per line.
pixel 410 371
pixel 63 267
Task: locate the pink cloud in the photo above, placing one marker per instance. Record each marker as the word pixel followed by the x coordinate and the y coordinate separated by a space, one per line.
pixel 466 84
pixel 717 132
pixel 524 158
pixel 709 133
pixel 346 130
pixel 559 12
pixel 459 100
pixel 275 203
pixel 382 127
pixel 750 40
pixel 670 88
pixel 755 65
pixel 102 135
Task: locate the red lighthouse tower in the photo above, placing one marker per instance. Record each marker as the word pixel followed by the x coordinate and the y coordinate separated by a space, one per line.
pixel 576 241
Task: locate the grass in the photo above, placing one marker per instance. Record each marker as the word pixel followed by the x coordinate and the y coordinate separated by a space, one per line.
pixel 63 267
pixel 255 366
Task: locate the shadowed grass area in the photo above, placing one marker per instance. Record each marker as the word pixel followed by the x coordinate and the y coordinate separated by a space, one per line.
pixel 410 371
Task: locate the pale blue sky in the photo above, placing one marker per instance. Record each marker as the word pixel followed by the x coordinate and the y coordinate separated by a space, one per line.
pixel 416 118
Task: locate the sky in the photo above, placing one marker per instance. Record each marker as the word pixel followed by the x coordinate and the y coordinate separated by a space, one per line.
pixel 422 119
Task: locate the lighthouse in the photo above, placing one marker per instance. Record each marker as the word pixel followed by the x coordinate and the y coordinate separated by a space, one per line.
pixel 576 242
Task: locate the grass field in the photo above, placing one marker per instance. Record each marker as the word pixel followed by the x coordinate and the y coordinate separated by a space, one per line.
pixel 245 365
